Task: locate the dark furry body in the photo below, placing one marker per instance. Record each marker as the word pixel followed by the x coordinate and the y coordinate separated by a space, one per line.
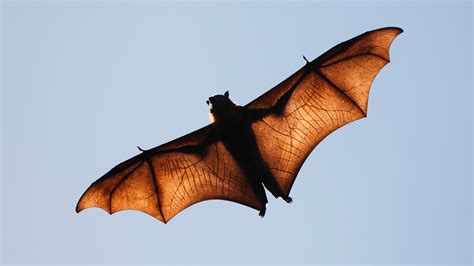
pixel 236 133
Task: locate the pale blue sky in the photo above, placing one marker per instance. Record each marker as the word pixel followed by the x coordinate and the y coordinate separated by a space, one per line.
pixel 84 83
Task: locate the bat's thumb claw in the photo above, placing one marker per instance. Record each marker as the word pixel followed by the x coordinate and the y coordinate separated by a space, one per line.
pixel 262 213
pixel 288 199
pixel 305 59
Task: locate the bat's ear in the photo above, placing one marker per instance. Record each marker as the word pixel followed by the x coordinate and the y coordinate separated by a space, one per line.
pixel 226 94
pixel 208 102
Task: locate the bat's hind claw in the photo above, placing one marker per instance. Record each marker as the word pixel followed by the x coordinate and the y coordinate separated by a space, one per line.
pixel 262 213
pixel 288 199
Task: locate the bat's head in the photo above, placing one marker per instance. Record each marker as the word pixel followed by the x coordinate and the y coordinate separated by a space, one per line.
pixel 221 106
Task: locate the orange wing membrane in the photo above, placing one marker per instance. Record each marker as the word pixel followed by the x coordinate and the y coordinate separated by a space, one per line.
pixel 265 141
pixel 167 179
pixel 321 97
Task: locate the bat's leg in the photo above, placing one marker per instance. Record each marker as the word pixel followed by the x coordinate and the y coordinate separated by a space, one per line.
pixel 261 195
pixel 270 183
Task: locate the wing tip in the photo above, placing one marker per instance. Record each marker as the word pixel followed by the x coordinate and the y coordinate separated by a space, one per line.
pixel 398 30
pixel 390 33
pixel 82 206
pixel 393 32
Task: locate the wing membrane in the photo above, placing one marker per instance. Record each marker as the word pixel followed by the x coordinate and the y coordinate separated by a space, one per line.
pixel 166 180
pixel 321 97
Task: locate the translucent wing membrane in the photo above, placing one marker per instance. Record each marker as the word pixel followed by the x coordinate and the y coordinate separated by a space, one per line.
pixel 164 181
pixel 321 97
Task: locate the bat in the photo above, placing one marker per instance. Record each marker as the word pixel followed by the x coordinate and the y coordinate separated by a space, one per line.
pixel 247 149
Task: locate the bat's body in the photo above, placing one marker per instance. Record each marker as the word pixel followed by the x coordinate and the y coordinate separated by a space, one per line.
pixel 232 124
pixel 245 148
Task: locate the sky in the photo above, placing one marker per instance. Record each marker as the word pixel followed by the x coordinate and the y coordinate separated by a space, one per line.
pixel 84 83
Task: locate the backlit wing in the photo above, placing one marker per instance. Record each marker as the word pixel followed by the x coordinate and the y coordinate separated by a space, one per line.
pixel 169 178
pixel 329 92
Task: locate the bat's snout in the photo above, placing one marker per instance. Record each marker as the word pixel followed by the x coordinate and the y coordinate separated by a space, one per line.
pixel 210 100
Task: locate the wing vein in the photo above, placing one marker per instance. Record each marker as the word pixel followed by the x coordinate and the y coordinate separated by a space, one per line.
pixel 120 183
pixel 340 91
pixel 155 184
pixel 355 56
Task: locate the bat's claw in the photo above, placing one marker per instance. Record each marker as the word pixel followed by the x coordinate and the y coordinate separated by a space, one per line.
pixel 288 199
pixel 305 59
pixel 262 213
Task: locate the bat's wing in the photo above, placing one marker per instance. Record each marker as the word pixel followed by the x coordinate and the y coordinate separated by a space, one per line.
pixel 169 178
pixel 331 91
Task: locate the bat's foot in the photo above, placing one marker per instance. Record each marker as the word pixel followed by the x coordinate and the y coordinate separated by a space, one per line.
pixel 262 213
pixel 288 199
